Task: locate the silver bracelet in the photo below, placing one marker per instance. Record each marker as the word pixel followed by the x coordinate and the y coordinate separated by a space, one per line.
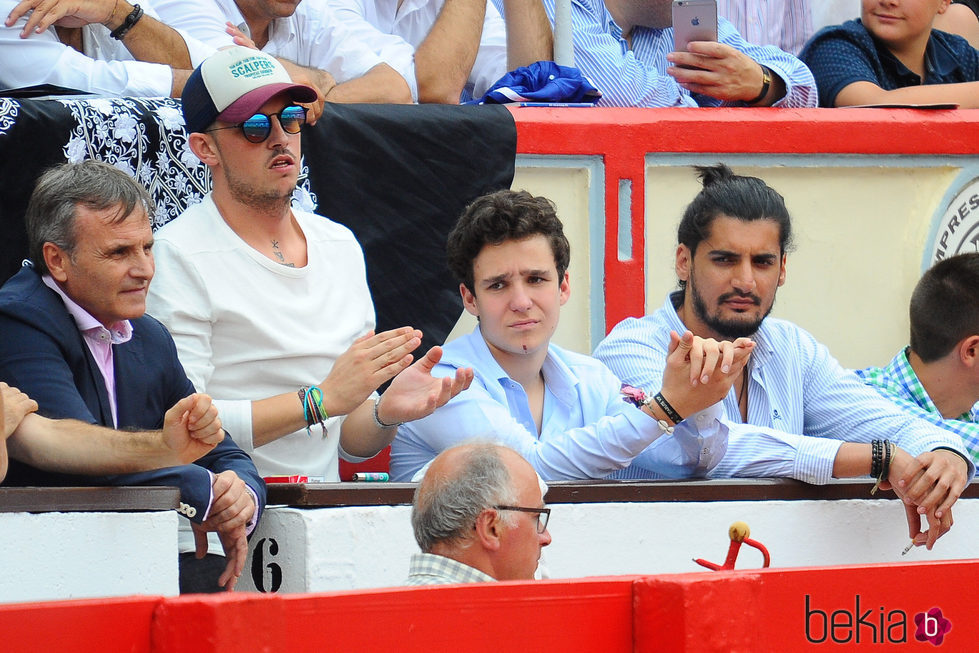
pixel 377 420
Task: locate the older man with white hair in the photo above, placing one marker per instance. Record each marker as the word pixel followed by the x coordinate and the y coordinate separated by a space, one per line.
pixel 478 516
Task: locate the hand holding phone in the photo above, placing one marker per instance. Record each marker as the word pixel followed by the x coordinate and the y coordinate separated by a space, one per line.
pixel 693 20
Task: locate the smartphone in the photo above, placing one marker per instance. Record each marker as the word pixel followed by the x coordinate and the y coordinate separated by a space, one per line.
pixel 693 20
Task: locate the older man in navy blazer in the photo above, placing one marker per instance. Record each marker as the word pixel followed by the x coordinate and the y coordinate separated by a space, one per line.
pixel 76 339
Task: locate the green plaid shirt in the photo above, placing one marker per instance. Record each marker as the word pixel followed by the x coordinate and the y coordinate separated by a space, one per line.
pixel 900 384
pixel 431 569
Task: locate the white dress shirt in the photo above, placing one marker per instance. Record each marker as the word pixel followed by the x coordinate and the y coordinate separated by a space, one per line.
pixel 105 67
pixel 311 37
pixel 411 23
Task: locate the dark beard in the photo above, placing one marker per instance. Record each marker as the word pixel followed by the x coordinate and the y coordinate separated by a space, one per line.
pixel 727 329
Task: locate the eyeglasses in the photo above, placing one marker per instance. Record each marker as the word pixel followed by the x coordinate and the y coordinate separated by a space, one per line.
pixel 543 515
pixel 257 128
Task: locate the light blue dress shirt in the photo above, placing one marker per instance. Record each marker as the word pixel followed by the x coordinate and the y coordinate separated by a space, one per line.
pixel 637 77
pixel 588 430
pixel 802 404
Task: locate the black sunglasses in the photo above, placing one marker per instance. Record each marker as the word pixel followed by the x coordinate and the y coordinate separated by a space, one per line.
pixel 257 128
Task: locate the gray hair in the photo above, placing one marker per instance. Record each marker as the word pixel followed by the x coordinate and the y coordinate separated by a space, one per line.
pixel 445 508
pixel 53 205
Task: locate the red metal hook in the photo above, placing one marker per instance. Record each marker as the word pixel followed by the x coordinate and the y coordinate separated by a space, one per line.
pixel 738 532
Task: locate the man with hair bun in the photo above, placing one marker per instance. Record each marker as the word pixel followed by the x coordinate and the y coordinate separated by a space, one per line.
pixel 936 378
pixel 478 516
pixel 794 411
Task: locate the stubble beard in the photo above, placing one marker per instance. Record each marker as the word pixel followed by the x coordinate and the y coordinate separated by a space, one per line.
pixel 728 329
pixel 268 201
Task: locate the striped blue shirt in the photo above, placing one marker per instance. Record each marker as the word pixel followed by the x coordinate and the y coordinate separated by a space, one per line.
pixel 802 404
pixel 637 77
pixel 786 24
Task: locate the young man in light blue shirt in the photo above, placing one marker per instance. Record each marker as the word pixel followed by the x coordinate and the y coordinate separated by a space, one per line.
pixel 561 411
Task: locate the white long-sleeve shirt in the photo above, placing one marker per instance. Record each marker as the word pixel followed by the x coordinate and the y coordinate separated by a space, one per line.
pixel 105 67
pixel 396 26
pixel 313 36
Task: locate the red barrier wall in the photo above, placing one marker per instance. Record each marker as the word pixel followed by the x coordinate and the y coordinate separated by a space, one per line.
pixel 766 610
pixel 755 611
pixel 96 626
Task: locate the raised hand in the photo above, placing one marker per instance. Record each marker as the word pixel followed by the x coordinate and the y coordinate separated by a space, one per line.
pixel 239 37
pixel 415 393
pixel 65 13
pixel 371 360
pixel 699 372
pixel 719 71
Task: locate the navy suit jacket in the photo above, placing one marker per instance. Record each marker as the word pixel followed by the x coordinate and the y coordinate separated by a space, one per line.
pixel 43 353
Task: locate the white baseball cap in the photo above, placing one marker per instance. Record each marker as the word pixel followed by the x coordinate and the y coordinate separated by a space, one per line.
pixel 232 85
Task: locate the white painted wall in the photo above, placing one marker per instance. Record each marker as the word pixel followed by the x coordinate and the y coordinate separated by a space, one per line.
pixel 361 547
pixel 77 555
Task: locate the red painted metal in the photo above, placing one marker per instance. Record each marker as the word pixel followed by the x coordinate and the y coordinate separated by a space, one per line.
pixel 766 610
pixel 586 615
pixel 84 626
pixel 730 611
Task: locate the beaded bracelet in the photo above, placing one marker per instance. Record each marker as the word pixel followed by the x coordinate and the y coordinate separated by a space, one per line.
pixel 638 398
pixel 880 464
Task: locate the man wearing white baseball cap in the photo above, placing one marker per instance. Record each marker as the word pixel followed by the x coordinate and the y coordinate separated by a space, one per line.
pixel 263 299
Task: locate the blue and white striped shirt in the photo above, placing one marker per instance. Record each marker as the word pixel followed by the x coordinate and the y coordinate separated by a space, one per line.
pixel 802 404
pixel 786 24
pixel 637 77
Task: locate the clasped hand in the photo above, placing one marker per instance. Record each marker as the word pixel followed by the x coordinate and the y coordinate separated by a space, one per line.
pixel 700 371
pixel 928 486
pixel 231 511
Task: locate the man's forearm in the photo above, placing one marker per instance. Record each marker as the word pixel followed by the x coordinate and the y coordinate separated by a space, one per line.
pixel 528 33
pixel 180 78
pixel 321 80
pixel 853 459
pixel 380 84
pixel 965 94
pixel 361 436
pixel 149 39
pixel 445 58
pixel 73 447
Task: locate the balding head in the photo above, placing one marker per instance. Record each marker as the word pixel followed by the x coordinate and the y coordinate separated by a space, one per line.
pixel 454 512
